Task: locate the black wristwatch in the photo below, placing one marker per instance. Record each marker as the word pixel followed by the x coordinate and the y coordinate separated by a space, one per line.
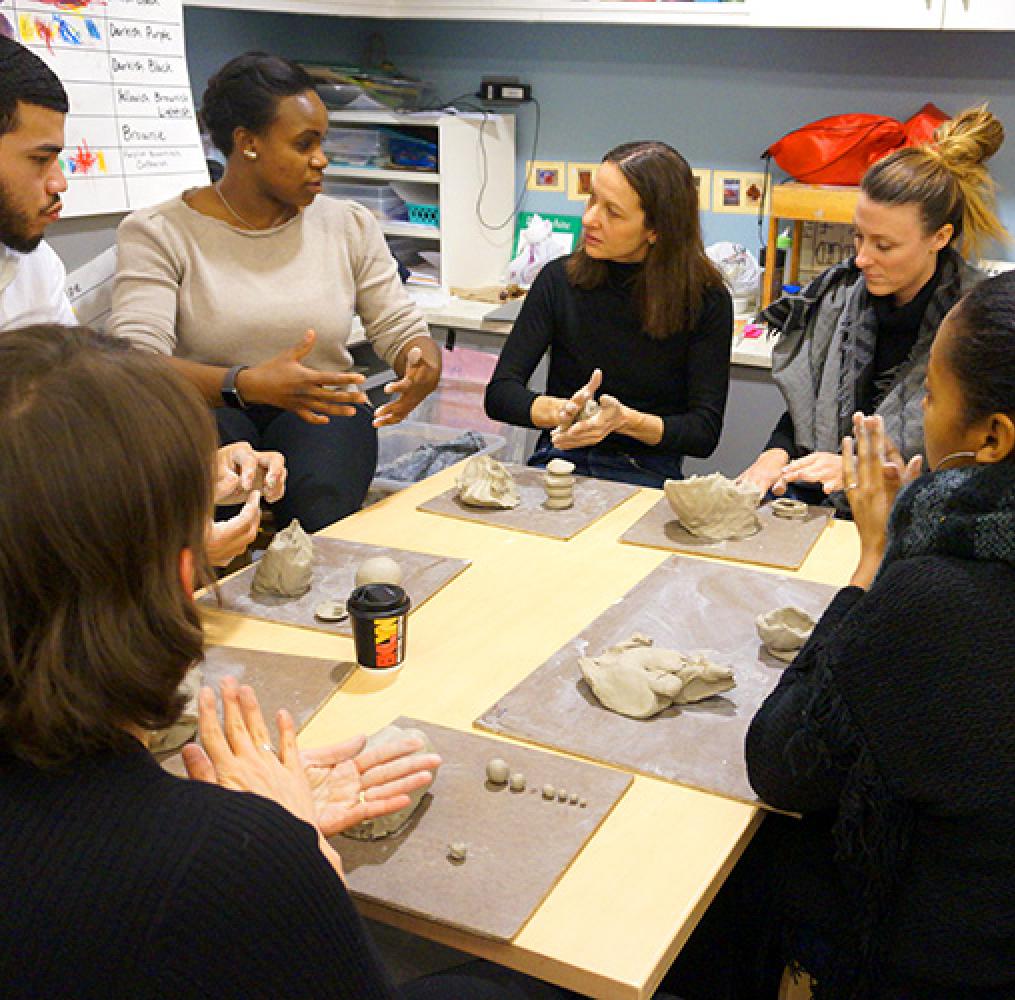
pixel 230 394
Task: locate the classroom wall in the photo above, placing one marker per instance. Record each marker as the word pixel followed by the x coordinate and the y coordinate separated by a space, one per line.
pixel 719 95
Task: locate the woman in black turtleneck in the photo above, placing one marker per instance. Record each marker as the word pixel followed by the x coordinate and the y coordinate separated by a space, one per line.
pixel 639 312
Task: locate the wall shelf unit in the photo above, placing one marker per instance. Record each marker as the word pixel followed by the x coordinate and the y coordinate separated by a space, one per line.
pixel 473 190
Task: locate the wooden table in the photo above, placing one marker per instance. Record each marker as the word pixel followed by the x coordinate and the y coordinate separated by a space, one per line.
pixel 613 924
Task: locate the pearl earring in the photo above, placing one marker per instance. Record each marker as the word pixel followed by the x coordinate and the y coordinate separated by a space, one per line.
pixel 250 154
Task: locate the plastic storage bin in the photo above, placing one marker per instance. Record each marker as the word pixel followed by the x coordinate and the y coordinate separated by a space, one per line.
pixel 379 198
pixel 393 442
pixel 423 215
pixel 357 147
pixel 411 153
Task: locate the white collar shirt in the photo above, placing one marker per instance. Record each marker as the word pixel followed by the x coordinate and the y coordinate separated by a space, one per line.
pixel 33 288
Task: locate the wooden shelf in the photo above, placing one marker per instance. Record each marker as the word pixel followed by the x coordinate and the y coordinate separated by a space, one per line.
pixel 802 203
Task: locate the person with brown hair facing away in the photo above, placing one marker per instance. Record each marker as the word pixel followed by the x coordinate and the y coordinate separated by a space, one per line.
pixel 118 879
pixel 858 337
pixel 639 312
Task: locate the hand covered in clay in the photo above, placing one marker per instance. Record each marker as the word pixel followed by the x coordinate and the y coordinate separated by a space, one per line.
pixel 350 784
pixel 421 373
pixel 822 467
pixel 239 469
pixel 225 540
pixel 572 409
pixel 239 755
pixel 874 472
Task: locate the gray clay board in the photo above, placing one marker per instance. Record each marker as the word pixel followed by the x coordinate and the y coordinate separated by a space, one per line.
pixel 334 576
pixel 519 844
pixel 684 604
pixel 299 683
pixel 781 543
pixel 592 499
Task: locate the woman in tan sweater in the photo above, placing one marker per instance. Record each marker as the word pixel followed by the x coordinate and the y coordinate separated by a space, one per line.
pixel 249 287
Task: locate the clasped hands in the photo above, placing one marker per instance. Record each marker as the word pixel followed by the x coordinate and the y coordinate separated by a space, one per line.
pixel 332 788
pixel 242 475
pixel 571 432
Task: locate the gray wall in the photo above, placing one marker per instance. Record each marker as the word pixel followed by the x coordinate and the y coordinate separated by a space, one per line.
pixel 720 95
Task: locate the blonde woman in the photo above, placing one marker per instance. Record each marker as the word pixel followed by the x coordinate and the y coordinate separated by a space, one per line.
pixel 858 337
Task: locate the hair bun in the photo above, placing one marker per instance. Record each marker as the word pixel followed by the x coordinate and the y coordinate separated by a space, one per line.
pixel 972 136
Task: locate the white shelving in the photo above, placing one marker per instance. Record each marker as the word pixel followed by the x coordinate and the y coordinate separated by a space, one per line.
pixel 473 185
pixel 979 15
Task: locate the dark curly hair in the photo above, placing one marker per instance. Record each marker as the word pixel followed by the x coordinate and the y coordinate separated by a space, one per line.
pixel 245 94
pixel 982 355
pixel 24 77
pixel 106 461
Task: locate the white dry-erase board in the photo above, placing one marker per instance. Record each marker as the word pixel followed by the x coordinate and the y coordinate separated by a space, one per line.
pixel 131 136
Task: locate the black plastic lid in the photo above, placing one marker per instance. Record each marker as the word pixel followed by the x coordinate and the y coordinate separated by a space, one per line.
pixel 376 598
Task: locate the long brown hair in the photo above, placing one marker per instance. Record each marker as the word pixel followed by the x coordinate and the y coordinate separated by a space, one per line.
pixel 671 284
pixel 106 465
pixel 947 179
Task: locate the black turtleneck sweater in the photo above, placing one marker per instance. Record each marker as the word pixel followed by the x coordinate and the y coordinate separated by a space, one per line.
pixel 682 378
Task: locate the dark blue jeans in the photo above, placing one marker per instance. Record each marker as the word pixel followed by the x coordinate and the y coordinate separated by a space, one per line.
pixel 639 470
pixel 329 465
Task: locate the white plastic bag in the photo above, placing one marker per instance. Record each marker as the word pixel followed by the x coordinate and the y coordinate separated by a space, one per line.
pixel 739 266
pixel 536 246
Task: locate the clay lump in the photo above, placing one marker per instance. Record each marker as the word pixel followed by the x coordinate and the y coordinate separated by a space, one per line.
pixel 714 506
pixel 637 679
pixel 286 568
pixel 484 482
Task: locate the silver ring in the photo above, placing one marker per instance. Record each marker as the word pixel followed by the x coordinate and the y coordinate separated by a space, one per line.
pixel 268 748
pixel 851 486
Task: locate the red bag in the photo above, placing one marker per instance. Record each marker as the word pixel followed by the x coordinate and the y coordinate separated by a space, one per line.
pixel 839 149
pixel 921 127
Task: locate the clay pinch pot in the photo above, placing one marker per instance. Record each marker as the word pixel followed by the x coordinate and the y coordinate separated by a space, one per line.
pixel 714 506
pixel 784 631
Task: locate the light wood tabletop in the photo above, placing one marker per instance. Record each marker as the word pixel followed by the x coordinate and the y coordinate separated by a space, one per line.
pixel 614 922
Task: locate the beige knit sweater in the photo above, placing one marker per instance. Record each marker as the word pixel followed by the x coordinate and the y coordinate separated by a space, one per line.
pixel 195 287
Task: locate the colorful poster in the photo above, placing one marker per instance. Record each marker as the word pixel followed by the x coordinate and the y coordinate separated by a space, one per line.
pixel 131 137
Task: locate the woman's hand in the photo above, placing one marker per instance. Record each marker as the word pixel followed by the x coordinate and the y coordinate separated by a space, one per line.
pixel 225 540
pixel 239 469
pixel 350 784
pixel 611 417
pixel 818 467
pixel 241 756
pixel 872 481
pixel 421 375
pixel 766 470
pixel 568 414
pixel 314 396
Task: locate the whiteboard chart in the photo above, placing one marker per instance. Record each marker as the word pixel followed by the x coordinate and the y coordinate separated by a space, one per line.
pixel 131 136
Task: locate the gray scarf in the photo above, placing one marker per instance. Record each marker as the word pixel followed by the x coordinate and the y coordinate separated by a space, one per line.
pixel 827 338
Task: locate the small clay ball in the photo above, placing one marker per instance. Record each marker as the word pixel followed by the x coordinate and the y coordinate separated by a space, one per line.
pixel 378 569
pixel 457 850
pixel 549 791
pixel 582 804
pixel 561 795
pixel 497 771
pixel 560 467
pixel 517 782
pixel 574 799
pixel 331 611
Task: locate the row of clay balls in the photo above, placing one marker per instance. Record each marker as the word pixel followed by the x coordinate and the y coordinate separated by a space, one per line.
pixel 498 773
